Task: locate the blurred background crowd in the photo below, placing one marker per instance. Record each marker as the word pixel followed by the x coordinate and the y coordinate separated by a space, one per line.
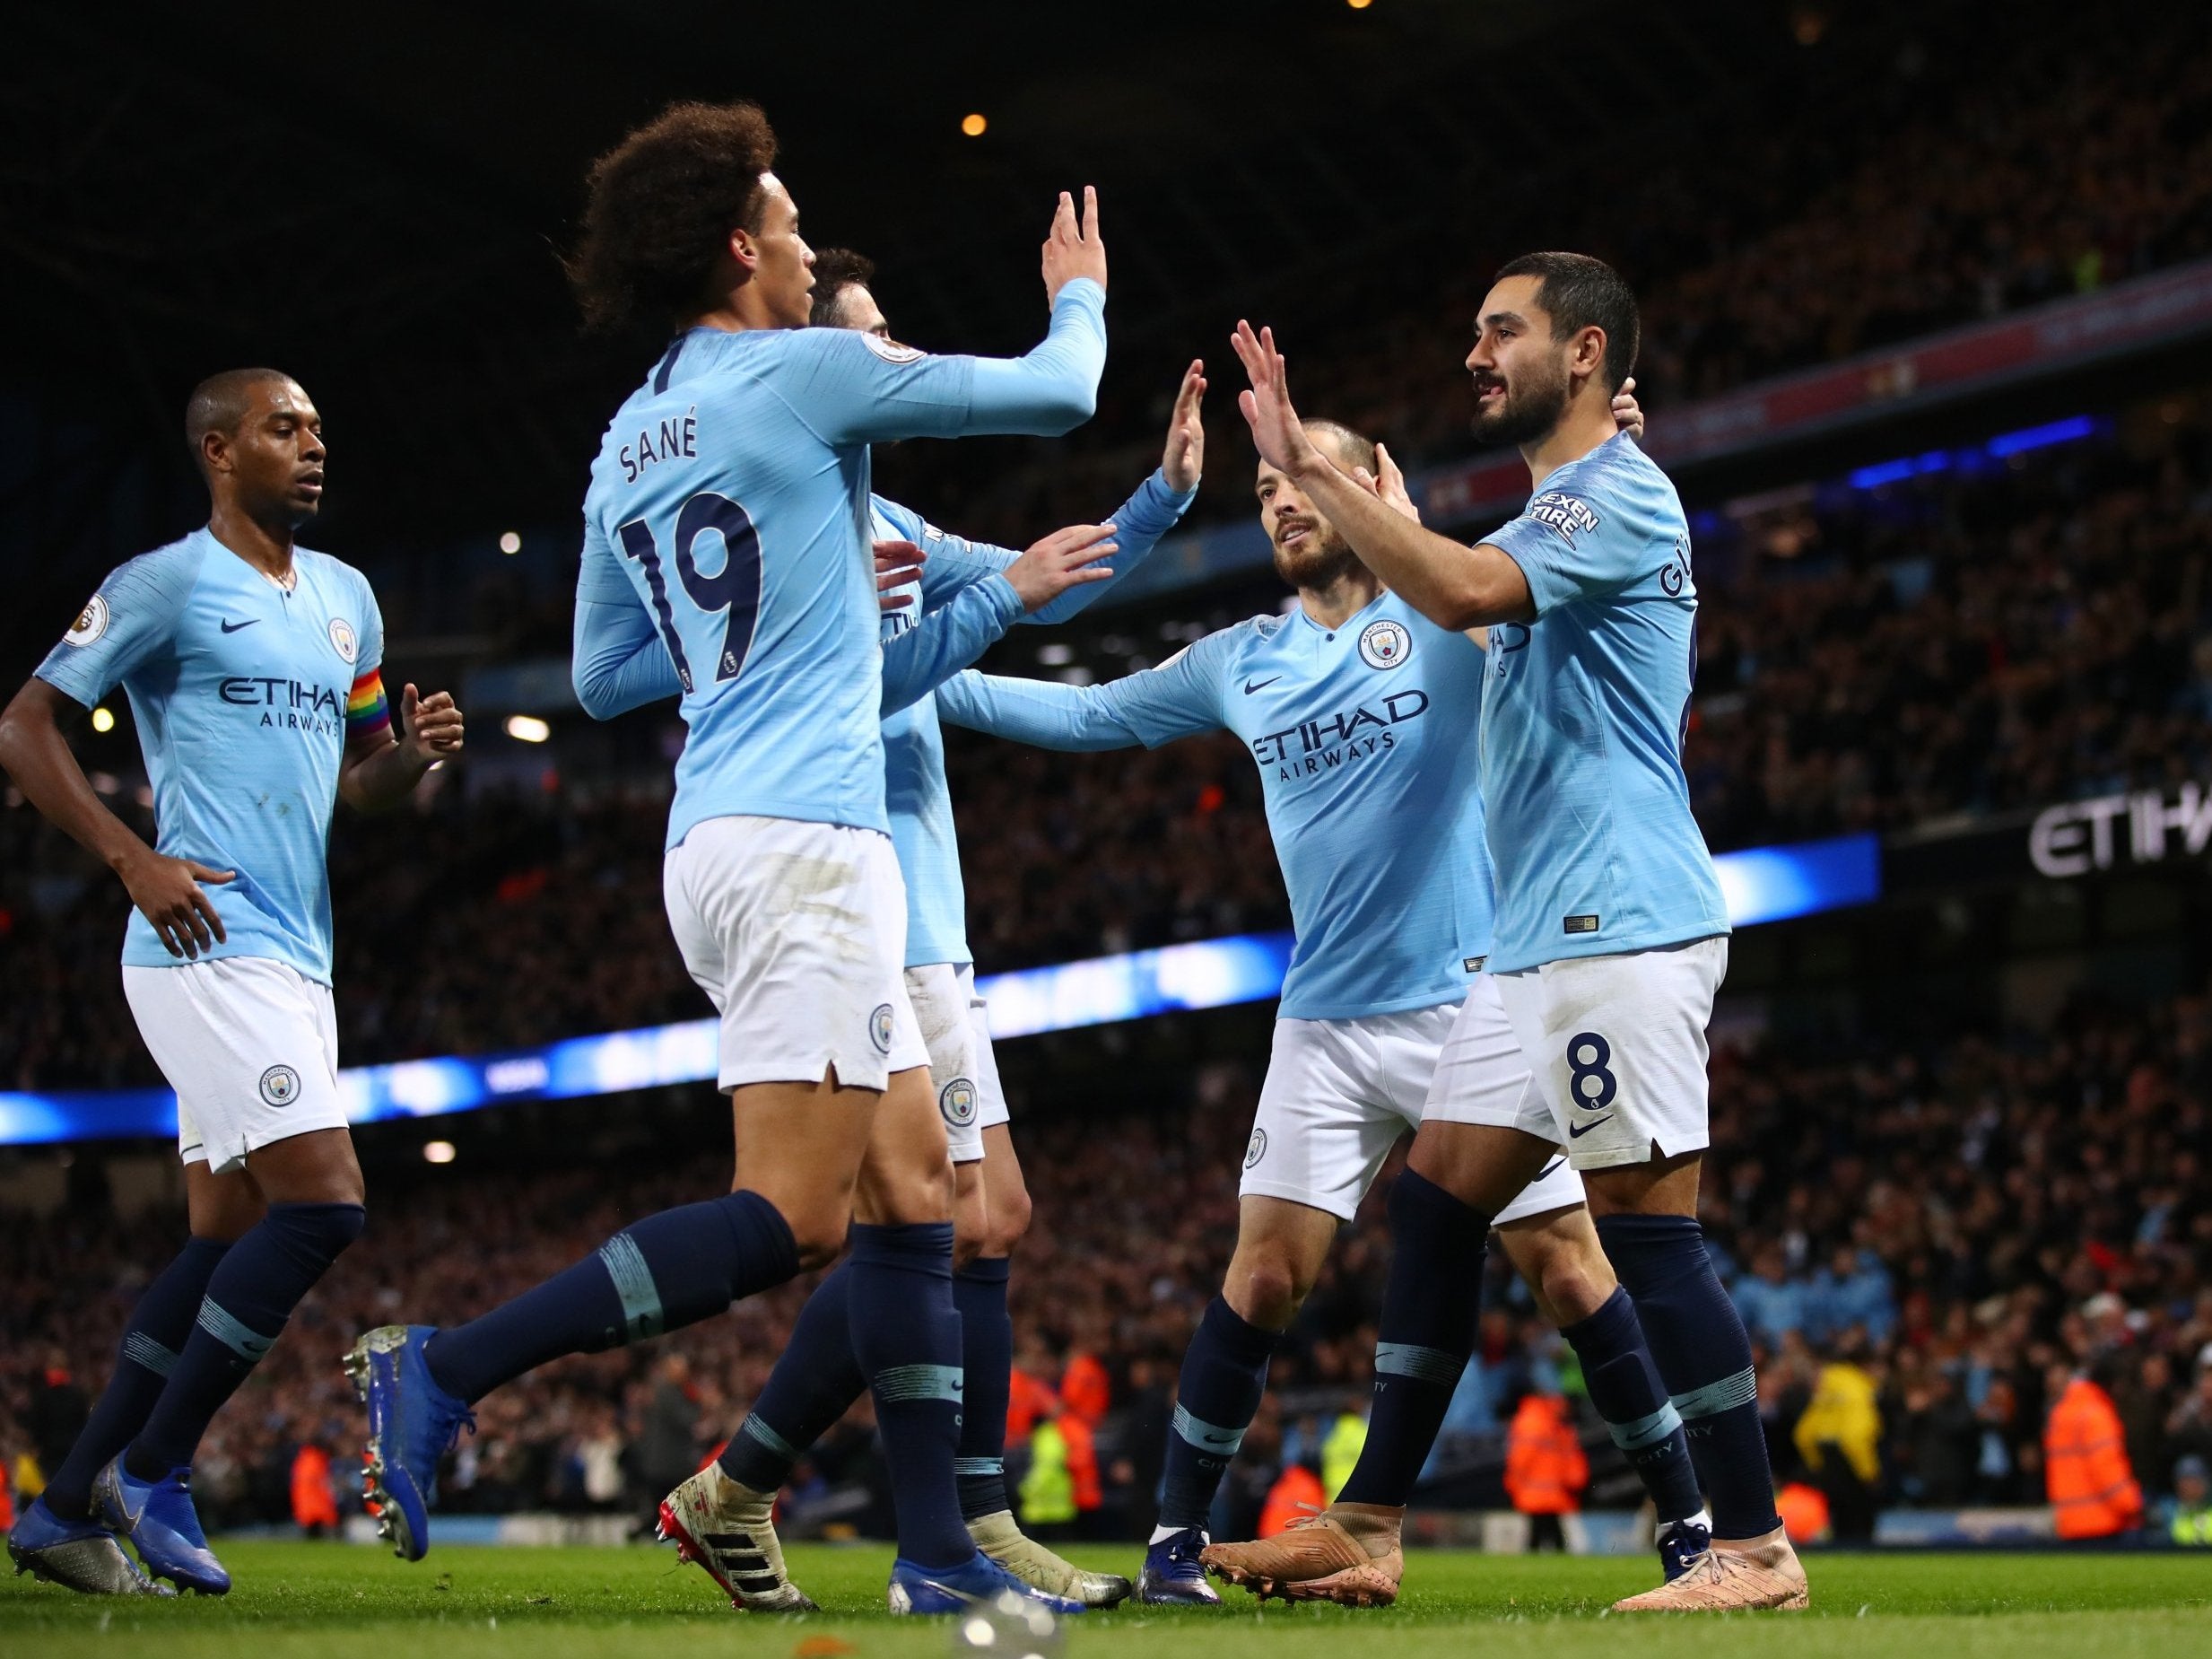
pixel 1930 1245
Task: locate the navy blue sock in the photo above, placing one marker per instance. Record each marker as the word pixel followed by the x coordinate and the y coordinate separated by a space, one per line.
pixel 1705 1359
pixel 1431 1302
pixel 1624 1385
pixel 906 1335
pixel 815 1381
pixel 1224 1374
pixel 250 1294
pixel 666 1272
pixel 987 1355
pixel 160 1325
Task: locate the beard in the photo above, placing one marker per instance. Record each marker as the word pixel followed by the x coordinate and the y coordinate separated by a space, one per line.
pixel 1528 411
pixel 1324 557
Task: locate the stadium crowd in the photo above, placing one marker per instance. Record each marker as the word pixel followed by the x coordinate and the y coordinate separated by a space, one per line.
pixel 1763 237
pixel 1930 1245
pixel 1972 640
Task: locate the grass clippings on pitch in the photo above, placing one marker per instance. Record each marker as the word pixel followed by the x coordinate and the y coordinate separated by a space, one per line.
pixel 300 1599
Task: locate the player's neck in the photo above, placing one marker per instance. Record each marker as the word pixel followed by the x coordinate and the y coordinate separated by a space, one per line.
pixel 742 309
pixel 1333 603
pixel 267 548
pixel 1588 422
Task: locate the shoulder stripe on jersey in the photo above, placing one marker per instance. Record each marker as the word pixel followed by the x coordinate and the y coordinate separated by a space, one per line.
pixel 667 365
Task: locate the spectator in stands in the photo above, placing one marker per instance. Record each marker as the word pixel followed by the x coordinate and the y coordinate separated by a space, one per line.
pixel 2092 1485
pixel 2188 1518
pixel 1545 1469
pixel 1839 1438
pixel 1771 1305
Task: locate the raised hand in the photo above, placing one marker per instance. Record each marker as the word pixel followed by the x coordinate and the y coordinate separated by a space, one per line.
pixel 1063 559
pixel 1073 250
pixel 431 725
pixel 168 893
pixel 1283 441
pixel 1389 484
pixel 1184 458
pixel 1627 412
pixel 897 564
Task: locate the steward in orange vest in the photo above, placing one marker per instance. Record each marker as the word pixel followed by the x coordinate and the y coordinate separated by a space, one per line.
pixel 2086 1471
pixel 1546 1470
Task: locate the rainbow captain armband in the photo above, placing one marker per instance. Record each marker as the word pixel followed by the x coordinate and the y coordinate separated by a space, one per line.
pixel 367 711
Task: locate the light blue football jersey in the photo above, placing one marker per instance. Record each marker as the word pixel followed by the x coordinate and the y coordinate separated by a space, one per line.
pixel 1360 735
pixel 239 690
pixel 1584 717
pixel 921 801
pixel 727 514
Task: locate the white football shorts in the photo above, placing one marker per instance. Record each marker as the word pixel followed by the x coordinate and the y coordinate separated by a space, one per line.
pixel 1340 1092
pixel 1618 1043
pixel 249 1044
pixel 955 1028
pixel 796 932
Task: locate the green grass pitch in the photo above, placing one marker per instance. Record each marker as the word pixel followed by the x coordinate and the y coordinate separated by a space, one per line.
pixel 300 1599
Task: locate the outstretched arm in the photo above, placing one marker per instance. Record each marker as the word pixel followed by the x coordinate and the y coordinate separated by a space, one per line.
pixel 853 387
pixel 1179 699
pixel 1043 713
pixel 953 635
pixel 1453 585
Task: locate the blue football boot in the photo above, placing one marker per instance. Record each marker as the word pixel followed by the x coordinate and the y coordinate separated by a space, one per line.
pixel 978 1582
pixel 1681 1543
pixel 157 1516
pixel 1171 1575
pixel 84 1556
pixel 413 1424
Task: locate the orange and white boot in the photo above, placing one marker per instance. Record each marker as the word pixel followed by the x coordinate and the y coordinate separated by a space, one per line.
pixel 1734 1573
pixel 1348 1553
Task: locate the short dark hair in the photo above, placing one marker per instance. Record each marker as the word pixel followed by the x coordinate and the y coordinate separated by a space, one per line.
pixel 837 269
pixel 661 206
pixel 1351 449
pixel 219 402
pixel 1582 292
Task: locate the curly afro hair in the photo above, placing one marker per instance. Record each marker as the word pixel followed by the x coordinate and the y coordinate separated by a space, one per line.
pixel 661 206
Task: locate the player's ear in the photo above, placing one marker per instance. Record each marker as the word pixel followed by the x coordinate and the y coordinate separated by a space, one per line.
pixel 745 250
pixel 1589 351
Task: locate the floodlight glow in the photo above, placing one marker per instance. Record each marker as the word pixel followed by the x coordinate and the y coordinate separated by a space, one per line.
pixel 1764 884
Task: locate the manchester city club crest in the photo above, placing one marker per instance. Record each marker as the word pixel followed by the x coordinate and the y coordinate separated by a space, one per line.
pixel 90 623
pixel 1385 644
pixel 879 1028
pixel 342 636
pixel 280 1085
pixel 956 1101
pixel 1258 1150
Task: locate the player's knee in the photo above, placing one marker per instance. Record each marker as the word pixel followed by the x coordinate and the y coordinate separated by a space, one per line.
pixel 1265 1288
pixel 817 1233
pixel 1575 1283
pixel 1007 1222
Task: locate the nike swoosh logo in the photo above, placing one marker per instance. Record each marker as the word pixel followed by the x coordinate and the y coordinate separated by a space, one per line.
pixel 1252 685
pixel 1575 1131
pixel 232 627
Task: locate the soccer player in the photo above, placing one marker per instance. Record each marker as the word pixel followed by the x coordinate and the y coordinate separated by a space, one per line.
pixel 1355 709
pixel 1612 935
pixel 254 668
pixel 723 536
pixel 970 592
